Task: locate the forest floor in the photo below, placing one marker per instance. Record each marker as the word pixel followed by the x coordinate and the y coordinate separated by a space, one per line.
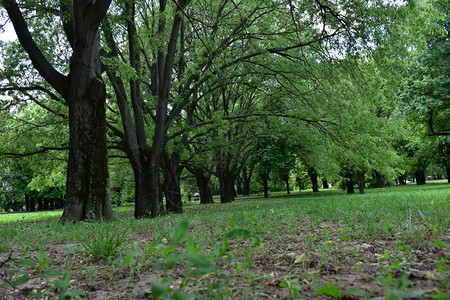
pixel 391 243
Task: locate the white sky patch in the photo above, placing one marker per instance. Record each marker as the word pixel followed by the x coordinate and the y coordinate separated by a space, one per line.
pixel 7 33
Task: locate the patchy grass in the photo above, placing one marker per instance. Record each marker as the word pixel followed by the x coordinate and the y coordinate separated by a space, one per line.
pixel 388 243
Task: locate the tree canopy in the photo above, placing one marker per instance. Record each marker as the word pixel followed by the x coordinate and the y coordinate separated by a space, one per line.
pixel 222 90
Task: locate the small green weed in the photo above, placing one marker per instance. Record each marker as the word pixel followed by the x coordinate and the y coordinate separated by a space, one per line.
pixel 105 242
pixel 30 273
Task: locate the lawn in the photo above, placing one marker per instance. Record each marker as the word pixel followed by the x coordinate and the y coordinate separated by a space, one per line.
pixel 387 243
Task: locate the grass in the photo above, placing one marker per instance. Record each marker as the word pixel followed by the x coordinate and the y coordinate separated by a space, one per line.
pixel 391 242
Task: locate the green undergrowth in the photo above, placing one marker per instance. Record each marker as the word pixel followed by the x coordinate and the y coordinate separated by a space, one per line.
pixel 288 247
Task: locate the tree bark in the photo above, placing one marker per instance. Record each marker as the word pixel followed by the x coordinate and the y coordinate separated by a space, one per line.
pixel 146 180
pixel 361 182
pixel 420 177
pixel 324 183
pixel 88 194
pixel 401 180
pixel 313 176
pixel 203 179
pixel 87 187
pixel 266 186
pixel 448 174
pixel 299 183
pixel 238 186
pixel 87 190
pixel 246 179
pixel 350 185
pixel 227 191
pixel 379 180
pixel 172 172
pixel 288 190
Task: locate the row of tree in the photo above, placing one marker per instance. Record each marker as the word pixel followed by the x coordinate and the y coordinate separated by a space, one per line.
pixel 219 88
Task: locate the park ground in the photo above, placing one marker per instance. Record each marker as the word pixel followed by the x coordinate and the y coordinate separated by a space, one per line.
pixel 390 243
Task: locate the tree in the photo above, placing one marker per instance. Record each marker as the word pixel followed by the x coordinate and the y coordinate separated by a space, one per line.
pixel 88 195
pixel 426 95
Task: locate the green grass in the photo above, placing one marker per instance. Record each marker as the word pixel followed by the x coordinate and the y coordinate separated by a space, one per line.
pixel 411 210
pixel 390 233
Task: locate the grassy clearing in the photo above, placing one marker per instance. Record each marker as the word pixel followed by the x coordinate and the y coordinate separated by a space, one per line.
pixel 391 243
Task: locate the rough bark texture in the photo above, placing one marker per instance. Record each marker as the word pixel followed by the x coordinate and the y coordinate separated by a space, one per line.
pixel 361 182
pixel 420 177
pixel 266 187
pixel 87 189
pixel 246 178
pixel 87 195
pixel 227 191
pixel 313 176
pixel 288 190
pixel 172 172
pixel 203 179
pixel 350 185
pixel 146 192
pixel 379 180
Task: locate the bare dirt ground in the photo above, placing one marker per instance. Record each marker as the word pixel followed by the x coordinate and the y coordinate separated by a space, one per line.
pixel 309 263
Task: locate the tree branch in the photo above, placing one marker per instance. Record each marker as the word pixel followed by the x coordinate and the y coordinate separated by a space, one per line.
pixel 42 150
pixel 40 62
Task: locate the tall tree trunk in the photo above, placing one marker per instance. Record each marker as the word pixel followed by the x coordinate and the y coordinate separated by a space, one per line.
pixel 379 179
pixel 265 181
pixel 324 183
pixel 401 180
pixel 172 172
pixel 27 202
pixel 87 189
pixel 350 187
pixel 448 174
pixel 40 204
pixel 147 203
pixel 239 185
pixel 32 204
pixel 246 178
pixel 361 182
pixel 227 191
pixel 299 183
pixel 288 190
pixel 87 184
pixel 203 185
pixel 420 177
pixel 313 176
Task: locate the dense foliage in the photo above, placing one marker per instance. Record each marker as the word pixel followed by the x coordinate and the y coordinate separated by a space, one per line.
pixel 220 97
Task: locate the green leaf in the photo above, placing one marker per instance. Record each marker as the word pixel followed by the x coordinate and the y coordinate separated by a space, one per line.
pixel 71 294
pixel 180 232
pixel 330 290
pixel 63 283
pixel 159 290
pixel 197 259
pixel 41 255
pixel 239 232
pixel 300 259
pixel 21 280
pixel 179 296
pixel 355 292
pixel 171 261
pixel 51 273
pixel 27 262
pixel 441 244
pixel 202 271
pixel 283 284
pixel 421 214
pixel 190 244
